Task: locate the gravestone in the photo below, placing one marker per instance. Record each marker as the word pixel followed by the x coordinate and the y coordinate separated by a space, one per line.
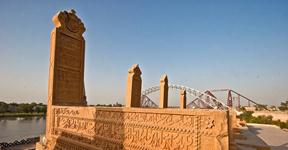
pixel 66 68
pixel 66 72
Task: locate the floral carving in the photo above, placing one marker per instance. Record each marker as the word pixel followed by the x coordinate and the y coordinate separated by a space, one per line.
pixel 128 129
pixel 68 20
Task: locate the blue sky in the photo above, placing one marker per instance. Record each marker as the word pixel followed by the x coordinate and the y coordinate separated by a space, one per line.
pixel 242 45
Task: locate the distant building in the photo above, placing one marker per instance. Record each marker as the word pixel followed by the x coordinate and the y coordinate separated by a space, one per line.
pixel 251 108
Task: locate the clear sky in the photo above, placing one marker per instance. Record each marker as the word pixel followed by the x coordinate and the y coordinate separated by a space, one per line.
pixel 242 45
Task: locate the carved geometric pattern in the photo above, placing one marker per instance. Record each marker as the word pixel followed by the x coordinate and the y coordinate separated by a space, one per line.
pixel 128 128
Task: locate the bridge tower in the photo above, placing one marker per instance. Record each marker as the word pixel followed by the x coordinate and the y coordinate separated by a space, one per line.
pixel 239 105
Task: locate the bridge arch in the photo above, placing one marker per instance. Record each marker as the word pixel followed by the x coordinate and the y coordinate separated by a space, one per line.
pixel 202 99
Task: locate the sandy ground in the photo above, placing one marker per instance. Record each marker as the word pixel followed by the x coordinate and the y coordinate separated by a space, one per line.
pixel 264 136
pixel 272 135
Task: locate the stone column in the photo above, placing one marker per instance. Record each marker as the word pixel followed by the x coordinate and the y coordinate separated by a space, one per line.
pixel 133 89
pixel 66 65
pixel 183 99
pixel 67 53
pixel 163 92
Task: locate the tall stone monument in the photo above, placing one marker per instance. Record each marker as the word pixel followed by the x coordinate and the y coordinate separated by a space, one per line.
pixel 66 68
pixel 66 72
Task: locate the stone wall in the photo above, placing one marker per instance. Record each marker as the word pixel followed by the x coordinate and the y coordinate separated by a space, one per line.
pixel 138 128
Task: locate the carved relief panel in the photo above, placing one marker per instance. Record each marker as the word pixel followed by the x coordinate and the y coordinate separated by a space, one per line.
pixel 138 128
pixel 66 80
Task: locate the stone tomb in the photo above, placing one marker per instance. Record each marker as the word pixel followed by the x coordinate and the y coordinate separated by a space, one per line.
pixel 71 125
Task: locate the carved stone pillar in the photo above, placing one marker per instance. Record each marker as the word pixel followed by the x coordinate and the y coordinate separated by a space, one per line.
pixel 66 66
pixel 163 92
pixel 133 89
pixel 183 99
pixel 66 72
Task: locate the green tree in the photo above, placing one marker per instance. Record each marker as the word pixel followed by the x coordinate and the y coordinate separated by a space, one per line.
pixel 33 104
pixel 43 108
pixel 283 106
pixel 25 108
pixel 36 109
pixel 3 107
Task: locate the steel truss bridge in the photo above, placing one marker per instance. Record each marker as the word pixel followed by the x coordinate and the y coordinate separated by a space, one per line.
pixel 236 96
pixel 200 99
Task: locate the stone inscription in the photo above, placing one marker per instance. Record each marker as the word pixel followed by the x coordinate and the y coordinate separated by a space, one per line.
pixel 69 77
pixel 68 85
pixel 71 53
pixel 66 75
pixel 135 130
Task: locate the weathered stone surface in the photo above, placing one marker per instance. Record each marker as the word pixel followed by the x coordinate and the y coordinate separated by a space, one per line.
pixel 183 99
pixel 163 92
pixel 134 128
pixel 66 72
pixel 66 68
pixel 232 125
pixel 133 87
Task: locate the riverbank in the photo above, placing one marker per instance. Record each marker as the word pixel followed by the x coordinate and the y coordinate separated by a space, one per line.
pixel 21 114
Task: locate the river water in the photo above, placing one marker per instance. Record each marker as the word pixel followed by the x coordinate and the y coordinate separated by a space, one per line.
pixel 18 128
